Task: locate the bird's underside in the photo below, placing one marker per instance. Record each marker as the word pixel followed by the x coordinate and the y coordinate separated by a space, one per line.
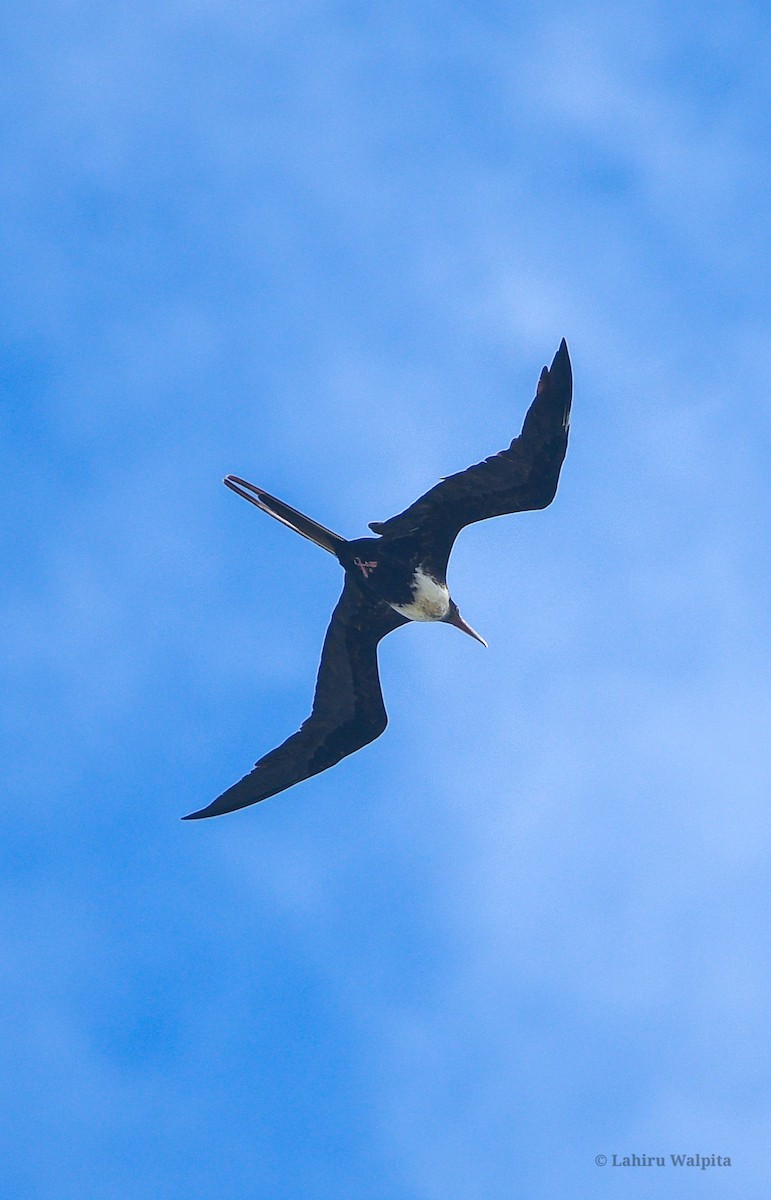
pixel 348 709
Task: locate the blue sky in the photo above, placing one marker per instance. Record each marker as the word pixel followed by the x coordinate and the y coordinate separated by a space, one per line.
pixel 328 247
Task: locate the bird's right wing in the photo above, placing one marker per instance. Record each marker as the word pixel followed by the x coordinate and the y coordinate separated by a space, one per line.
pixel 348 709
pixel 522 477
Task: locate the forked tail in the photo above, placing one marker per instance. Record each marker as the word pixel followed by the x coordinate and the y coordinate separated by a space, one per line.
pixel 287 516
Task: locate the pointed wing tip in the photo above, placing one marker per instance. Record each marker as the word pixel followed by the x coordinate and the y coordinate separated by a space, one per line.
pixel 215 809
pixel 560 373
pixel 562 357
pixel 560 366
pixel 220 806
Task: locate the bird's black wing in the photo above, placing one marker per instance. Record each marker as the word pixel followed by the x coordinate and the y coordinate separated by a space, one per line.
pixel 522 477
pixel 348 709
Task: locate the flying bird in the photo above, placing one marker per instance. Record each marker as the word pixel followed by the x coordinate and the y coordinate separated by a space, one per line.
pixel 399 576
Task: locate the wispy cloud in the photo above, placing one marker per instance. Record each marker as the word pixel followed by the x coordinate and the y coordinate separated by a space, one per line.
pixel 332 251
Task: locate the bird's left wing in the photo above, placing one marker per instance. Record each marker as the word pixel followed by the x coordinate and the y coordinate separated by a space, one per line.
pixel 348 709
pixel 524 476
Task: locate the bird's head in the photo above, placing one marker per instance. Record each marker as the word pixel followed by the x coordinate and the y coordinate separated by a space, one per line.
pixel 454 618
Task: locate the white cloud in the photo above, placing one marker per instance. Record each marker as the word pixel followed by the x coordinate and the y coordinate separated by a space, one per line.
pixel 535 908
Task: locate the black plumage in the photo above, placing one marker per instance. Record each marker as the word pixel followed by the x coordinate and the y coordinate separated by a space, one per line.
pixel 402 568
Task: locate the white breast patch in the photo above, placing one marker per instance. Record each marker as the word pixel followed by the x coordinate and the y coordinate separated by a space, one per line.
pixel 430 600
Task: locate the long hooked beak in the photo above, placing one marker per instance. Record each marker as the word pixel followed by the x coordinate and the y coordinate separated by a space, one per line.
pixel 454 618
pixel 239 486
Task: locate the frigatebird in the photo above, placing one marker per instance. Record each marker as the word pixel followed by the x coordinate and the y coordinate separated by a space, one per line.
pixel 399 576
